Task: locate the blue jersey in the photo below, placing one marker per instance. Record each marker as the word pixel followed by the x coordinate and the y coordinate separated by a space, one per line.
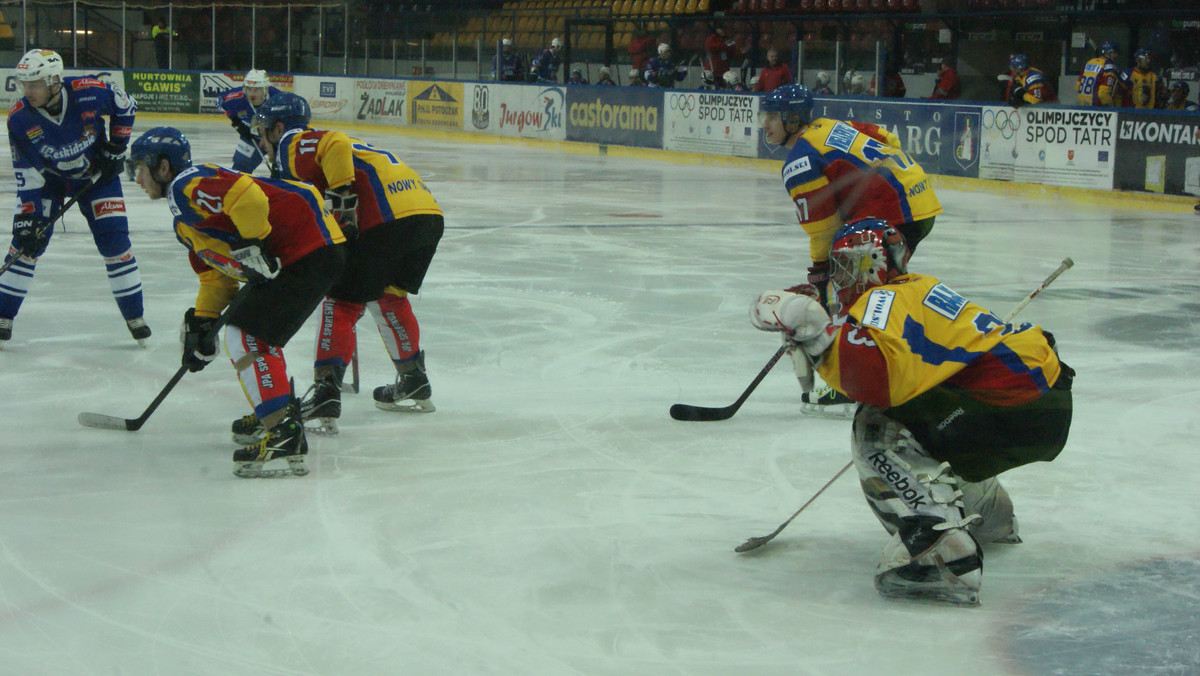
pixel 545 66
pixel 662 72
pixel 510 69
pixel 66 145
pixel 238 108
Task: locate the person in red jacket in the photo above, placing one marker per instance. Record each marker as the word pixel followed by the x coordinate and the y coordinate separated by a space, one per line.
pixel 641 48
pixel 720 50
pixel 947 86
pixel 774 75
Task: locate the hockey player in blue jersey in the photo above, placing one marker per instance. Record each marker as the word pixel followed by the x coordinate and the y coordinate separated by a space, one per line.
pixel 240 104
pixel 662 71
pixel 59 147
pixel 544 67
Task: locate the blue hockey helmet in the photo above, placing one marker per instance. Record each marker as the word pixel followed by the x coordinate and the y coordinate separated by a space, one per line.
pixel 155 144
pixel 1108 46
pixel 1018 63
pixel 789 100
pixel 290 109
pixel 1140 54
pixel 1181 86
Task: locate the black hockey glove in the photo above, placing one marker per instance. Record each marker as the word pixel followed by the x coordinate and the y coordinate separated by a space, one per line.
pixel 242 128
pixel 256 262
pixel 110 161
pixel 31 234
pixel 343 203
pixel 1016 98
pixel 199 341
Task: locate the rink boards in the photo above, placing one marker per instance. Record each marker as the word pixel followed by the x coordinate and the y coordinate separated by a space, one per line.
pixel 1150 151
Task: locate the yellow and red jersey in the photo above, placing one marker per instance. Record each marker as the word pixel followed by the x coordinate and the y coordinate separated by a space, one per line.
pixel 1139 88
pixel 914 333
pixel 1036 85
pixel 1097 82
pixel 839 172
pixel 387 188
pixel 215 209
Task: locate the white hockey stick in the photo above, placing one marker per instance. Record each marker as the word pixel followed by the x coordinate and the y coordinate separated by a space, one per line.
pixel 755 542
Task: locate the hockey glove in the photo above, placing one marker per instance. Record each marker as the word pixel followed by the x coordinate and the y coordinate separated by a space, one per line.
pixel 199 341
pixel 243 129
pixel 1016 98
pixel 256 262
pixel 110 161
pixel 344 205
pixel 31 234
pixel 799 317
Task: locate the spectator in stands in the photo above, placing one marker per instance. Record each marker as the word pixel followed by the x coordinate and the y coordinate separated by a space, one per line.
pixel 947 86
pixel 1179 97
pixel 822 88
pixel 720 50
pixel 509 67
pixel 635 78
pixel 641 48
pixel 1027 85
pixel 577 77
pixel 544 68
pixel 162 43
pixel 733 81
pixel 663 71
pixel 774 75
pixel 605 79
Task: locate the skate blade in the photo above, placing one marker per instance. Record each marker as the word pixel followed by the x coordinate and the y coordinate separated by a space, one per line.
pixel 830 411
pixel 141 343
pixel 248 439
pixel 407 406
pixel 939 597
pixel 326 427
pixel 297 466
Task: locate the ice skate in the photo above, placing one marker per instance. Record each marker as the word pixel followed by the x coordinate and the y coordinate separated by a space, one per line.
pixel 285 440
pixel 247 429
pixel 5 331
pixel 322 403
pixel 410 393
pixel 139 330
pixel 949 570
pixel 826 402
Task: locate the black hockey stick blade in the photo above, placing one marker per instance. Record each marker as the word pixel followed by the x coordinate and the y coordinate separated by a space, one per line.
pixel 688 412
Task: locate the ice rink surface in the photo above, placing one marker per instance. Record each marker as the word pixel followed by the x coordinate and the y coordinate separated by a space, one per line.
pixel 550 518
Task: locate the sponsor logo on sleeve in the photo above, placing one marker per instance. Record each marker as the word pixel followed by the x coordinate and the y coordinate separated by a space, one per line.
pixel 796 168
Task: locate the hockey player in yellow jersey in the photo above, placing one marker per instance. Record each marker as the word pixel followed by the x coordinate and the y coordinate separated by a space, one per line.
pixel 1140 86
pixel 1097 83
pixel 950 396
pixel 393 224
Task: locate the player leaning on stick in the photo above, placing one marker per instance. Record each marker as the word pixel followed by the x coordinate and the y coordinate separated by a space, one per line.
pixel 394 225
pixel 950 395
pixel 240 105
pixel 60 145
pixel 837 172
pixel 238 229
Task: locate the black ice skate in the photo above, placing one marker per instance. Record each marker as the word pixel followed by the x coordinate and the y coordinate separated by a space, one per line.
pixel 826 402
pixel 248 429
pixel 284 440
pixel 323 401
pixel 139 330
pixel 948 566
pixel 5 331
pixel 411 392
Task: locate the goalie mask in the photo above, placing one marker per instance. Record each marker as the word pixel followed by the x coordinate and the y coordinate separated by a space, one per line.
pixel 865 254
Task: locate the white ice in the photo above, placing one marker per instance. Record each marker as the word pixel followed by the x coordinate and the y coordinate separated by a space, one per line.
pixel 550 518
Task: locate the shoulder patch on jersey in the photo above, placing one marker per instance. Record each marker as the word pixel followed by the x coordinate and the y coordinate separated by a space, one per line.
pixel 841 137
pixel 942 300
pixel 879 308
pixel 795 167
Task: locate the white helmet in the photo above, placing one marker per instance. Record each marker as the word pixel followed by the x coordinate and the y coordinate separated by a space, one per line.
pixel 634 73
pixel 663 48
pixel 605 71
pixel 754 81
pixel 256 78
pixel 847 77
pixel 40 64
pixel 506 43
pixel 556 44
pixel 822 77
pixel 857 81
pixel 732 78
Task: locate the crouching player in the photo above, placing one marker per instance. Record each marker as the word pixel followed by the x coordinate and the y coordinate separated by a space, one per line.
pixel 273 234
pixel 950 397
pixel 393 224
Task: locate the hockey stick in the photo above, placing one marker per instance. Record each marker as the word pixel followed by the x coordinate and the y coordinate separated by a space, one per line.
pixel 108 422
pixel 755 542
pixel 54 217
pixel 352 387
pixel 704 413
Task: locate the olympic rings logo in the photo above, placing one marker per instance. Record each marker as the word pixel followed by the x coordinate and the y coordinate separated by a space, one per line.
pixel 684 103
pixel 1001 123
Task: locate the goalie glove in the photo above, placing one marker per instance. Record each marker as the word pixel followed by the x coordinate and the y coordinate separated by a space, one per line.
pixel 343 203
pixel 800 318
pixel 256 262
pixel 199 341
